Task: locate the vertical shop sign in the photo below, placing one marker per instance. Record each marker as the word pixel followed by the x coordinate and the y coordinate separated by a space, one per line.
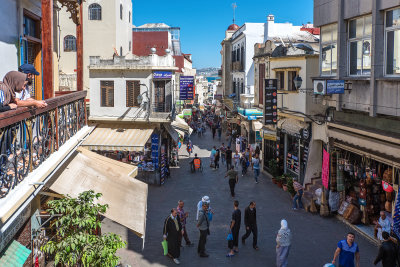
pixel 163 167
pixel 154 150
pixel 270 102
pixel 325 169
pixel 186 88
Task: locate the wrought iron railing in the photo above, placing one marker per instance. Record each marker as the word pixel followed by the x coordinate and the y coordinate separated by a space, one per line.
pixel 29 136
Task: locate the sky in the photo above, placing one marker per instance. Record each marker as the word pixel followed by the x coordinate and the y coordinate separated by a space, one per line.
pixel 203 23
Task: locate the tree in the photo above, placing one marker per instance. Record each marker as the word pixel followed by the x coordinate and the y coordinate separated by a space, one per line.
pixel 75 242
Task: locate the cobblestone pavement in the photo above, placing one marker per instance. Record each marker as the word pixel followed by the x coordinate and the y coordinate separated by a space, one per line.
pixel 314 238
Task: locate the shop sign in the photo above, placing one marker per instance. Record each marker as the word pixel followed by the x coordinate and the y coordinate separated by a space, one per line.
pixel 270 102
pixel 162 75
pixel 241 111
pixel 334 87
pixel 154 149
pixel 187 112
pixel 186 88
pixel 251 118
pixel 258 136
pixel 253 112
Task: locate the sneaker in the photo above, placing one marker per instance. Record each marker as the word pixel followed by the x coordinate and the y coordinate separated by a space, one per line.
pixel 177 262
pixel 256 182
pixel 230 255
pixel 204 255
pixel 256 248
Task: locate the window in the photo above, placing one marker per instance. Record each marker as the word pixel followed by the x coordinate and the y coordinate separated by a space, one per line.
pixel 241 86
pixel 132 92
pixel 69 43
pixel 328 55
pixel 31 25
pixel 360 31
pixel 291 75
pixel 107 93
pixel 175 34
pixel 280 76
pixel 392 36
pixel 242 57
pixel 94 12
pixel 121 11
pixel 261 80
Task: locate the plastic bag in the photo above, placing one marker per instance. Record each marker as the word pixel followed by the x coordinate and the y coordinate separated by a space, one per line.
pixel 164 244
pixel 229 237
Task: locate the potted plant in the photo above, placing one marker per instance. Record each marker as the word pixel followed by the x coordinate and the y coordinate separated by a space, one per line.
pixel 290 187
pixel 273 169
pixel 280 180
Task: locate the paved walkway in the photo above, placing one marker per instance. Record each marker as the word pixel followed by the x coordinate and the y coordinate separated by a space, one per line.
pixel 314 237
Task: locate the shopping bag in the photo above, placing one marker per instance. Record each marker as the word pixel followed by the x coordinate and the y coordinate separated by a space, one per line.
pixel 229 237
pixel 210 216
pixel 164 244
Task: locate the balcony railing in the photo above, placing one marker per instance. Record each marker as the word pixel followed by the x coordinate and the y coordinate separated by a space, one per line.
pixel 29 136
pixel 161 107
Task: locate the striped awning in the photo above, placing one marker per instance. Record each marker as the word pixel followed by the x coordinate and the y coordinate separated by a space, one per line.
pixel 117 137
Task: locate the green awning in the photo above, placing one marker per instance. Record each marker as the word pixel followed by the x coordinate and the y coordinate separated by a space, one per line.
pixel 14 255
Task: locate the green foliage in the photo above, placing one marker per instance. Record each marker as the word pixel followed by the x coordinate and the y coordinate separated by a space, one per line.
pixel 273 167
pixel 75 242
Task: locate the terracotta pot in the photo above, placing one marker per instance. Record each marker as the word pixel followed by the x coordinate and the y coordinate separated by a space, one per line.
pixel 274 180
pixel 284 187
pixel 279 184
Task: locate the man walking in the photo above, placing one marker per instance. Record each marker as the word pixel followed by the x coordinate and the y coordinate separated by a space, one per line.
pixel 255 164
pixel 203 225
pixel 388 252
pixel 347 250
pixel 234 229
pixel 250 222
pixel 171 233
pixel 228 154
pixel 233 179
pixel 183 215
pixel 299 193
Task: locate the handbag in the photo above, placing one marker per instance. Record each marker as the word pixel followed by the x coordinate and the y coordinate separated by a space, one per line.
pixel 164 244
pixel 210 216
pixel 229 237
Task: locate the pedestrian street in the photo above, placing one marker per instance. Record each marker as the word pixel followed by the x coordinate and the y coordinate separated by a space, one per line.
pixel 314 238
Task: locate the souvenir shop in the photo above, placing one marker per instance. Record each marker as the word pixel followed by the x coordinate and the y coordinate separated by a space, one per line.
pixel 270 147
pixel 364 184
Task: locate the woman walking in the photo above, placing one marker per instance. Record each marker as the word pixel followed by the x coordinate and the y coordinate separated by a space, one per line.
pixel 283 241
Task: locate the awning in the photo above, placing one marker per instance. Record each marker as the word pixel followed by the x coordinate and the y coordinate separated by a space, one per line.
pixel 172 132
pixel 291 126
pixel 118 137
pixel 385 152
pixel 14 255
pixel 256 125
pixel 126 196
pixel 181 125
pixel 246 125
pixel 269 134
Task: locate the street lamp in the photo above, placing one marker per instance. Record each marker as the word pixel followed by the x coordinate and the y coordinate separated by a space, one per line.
pixel 297 82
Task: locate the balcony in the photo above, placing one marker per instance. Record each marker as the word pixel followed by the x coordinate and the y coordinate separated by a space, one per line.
pixel 29 137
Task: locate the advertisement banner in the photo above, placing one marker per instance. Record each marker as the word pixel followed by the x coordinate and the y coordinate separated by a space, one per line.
pixel 335 87
pixel 325 169
pixel 270 102
pixel 162 75
pixel 186 91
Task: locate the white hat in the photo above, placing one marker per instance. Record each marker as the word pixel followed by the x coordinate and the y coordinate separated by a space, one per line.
pixel 205 199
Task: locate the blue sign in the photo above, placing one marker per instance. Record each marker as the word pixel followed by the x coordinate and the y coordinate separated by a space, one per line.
pixel 251 118
pixel 154 150
pixel 162 75
pixel 334 87
pixel 186 88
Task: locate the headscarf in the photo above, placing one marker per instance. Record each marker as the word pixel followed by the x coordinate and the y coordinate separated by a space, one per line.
pixel 284 224
pixel 12 82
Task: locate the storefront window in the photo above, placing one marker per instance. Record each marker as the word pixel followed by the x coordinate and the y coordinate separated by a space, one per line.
pixel 360 31
pixel 392 34
pixel 292 157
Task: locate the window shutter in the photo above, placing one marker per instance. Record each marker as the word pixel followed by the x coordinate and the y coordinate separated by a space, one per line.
pixel 136 93
pixel 107 93
pixel 132 92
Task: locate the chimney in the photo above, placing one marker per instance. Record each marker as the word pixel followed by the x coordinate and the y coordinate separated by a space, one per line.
pixel 270 17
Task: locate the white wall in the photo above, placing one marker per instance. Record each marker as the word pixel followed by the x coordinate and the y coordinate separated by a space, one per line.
pixel 123 30
pixel 119 77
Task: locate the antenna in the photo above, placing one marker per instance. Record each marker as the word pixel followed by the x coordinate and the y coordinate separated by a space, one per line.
pixel 234 6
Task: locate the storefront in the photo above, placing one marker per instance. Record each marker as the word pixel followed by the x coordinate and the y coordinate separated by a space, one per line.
pixel 270 148
pixel 247 116
pixel 295 137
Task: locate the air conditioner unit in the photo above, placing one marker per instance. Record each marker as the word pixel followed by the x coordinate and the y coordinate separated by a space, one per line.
pixel 320 87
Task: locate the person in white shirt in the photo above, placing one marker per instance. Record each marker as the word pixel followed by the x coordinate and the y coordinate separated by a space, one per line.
pixel 383 225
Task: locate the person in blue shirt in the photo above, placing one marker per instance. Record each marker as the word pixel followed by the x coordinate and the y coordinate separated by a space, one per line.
pixel 347 250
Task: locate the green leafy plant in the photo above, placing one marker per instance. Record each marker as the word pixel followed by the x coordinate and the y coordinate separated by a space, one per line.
pixel 75 242
pixel 290 187
pixel 273 167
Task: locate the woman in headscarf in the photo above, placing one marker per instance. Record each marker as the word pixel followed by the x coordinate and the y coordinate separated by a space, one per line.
pixel 283 241
pixel 15 82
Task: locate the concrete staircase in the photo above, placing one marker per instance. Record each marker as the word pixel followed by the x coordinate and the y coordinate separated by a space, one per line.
pixel 309 192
